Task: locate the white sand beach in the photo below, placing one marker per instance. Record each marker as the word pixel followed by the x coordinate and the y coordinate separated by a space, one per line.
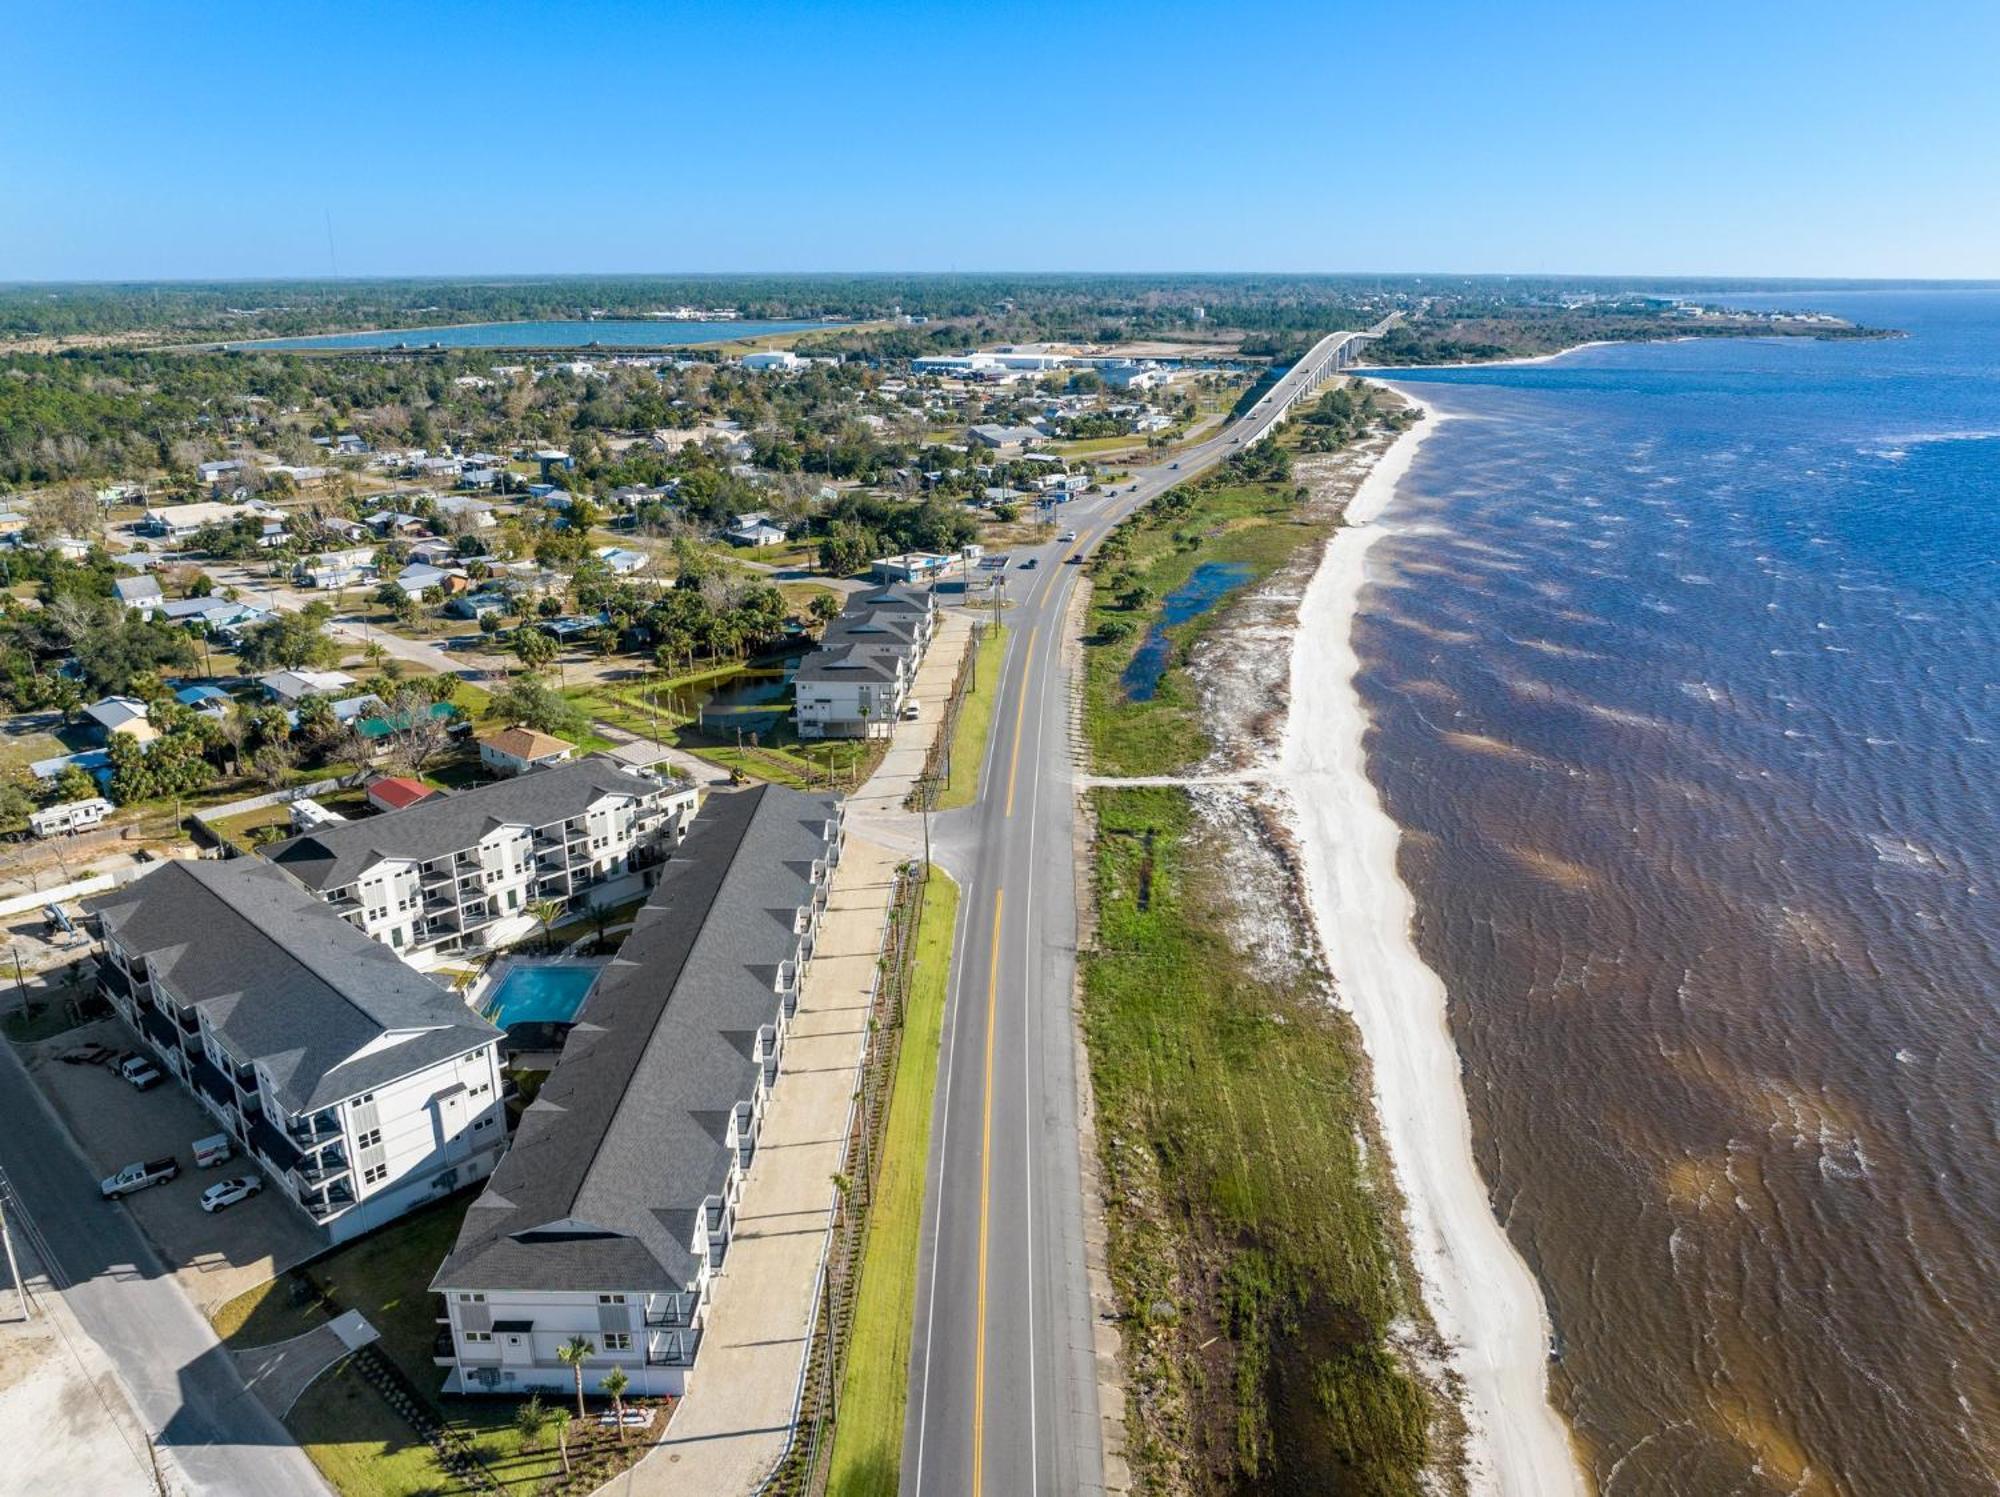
pixel 1485 1302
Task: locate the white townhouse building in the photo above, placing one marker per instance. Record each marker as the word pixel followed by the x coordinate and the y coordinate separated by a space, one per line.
pixel 617 1202
pixel 363 1088
pixel 458 872
pixel 855 684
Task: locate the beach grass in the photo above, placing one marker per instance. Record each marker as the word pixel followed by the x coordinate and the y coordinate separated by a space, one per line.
pixel 1156 550
pixel 1252 1234
pixel 868 1440
pixel 975 723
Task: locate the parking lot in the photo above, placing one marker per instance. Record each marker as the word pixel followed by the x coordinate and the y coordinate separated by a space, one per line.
pixel 216 1257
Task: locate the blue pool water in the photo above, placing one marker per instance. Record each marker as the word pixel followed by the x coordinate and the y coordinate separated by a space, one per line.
pixel 1209 584
pixel 578 332
pixel 539 995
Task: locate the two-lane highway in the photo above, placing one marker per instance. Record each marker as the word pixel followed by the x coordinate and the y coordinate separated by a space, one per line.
pixel 1003 1377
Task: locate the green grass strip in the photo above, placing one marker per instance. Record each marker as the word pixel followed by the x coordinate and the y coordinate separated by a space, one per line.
pixel 868 1441
pixel 975 723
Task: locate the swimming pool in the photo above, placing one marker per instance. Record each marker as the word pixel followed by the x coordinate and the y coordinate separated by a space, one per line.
pixel 538 993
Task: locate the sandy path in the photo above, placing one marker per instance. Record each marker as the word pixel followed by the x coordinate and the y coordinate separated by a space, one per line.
pixel 1480 1292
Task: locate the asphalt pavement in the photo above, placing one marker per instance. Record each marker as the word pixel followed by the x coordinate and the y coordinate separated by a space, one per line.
pixel 176 1374
pixel 1003 1378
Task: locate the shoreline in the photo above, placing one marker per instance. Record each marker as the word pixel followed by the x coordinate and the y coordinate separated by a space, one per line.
pixel 1484 1300
pixel 1387 372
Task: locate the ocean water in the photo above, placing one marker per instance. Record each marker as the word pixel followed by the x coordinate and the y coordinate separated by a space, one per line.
pixel 608 333
pixel 1684 668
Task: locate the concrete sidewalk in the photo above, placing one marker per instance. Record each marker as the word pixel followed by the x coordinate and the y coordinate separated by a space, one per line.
pixel 732 1428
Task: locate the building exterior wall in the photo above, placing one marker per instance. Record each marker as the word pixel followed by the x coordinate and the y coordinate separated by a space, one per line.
pixel 453 901
pixel 350 1166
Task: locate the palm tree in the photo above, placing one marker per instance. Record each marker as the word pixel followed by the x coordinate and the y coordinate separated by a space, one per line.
pixel 560 1418
pixel 547 911
pixel 573 1353
pixel 615 1383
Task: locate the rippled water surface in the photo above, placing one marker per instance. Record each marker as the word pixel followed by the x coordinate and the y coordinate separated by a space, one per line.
pixel 1682 664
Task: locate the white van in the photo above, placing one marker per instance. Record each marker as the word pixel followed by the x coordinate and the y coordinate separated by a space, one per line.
pixel 211 1151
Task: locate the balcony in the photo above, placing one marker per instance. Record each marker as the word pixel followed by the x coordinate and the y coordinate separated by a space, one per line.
pixel 322 1169
pixel 318 1127
pixel 320 1208
pixel 686 1341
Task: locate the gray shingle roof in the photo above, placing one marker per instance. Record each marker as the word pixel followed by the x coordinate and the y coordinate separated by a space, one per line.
pixel 334 856
pixel 286 982
pixel 846 663
pixel 605 1181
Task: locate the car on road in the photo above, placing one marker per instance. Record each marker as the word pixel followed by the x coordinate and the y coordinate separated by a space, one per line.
pixel 1074 559
pixel 912 711
pixel 140 1072
pixel 1066 537
pixel 138 1177
pixel 226 1193
pixel 87 1055
pixel 1174 466
pixel 1030 564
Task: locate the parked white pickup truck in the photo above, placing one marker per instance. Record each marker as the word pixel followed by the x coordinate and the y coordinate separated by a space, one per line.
pixel 138 1177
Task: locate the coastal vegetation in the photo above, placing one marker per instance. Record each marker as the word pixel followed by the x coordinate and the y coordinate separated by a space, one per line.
pixel 1275 1338
pixel 1247 516
pixel 1254 1234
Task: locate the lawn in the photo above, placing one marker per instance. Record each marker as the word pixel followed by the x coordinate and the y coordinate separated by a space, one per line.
pixel 1244 1196
pixel 975 722
pixel 1157 550
pixel 352 1435
pixel 868 1440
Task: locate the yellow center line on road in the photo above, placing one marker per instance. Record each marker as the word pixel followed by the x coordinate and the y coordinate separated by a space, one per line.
pixel 1020 717
pixel 985 1194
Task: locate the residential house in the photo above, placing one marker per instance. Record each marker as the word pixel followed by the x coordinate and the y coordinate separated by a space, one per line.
pixel 138 592
pixel 209 701
pixel 127 715
pixel 287 687
pixel 476 606
pixel 335 569
pixel 617 1205
pixel 622 560
pixel 362 1088
pixel 397 793
pixel 458 872
pixel 755 530
pixel 517 750
pixel 420 578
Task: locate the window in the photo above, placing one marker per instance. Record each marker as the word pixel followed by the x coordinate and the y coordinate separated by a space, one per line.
pixel 369 1139
pixel 611 1299
pixel 374 1173
pixel 472 1336
pixel 484 1123
pixel 396 936
pixel 617 1340
pixel 477 1298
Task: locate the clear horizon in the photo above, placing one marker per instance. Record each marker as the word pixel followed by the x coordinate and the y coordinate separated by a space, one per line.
pixel 242 143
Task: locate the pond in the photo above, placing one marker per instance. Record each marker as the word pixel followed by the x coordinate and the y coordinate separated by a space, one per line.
pixel 1209 584
pixel 749 701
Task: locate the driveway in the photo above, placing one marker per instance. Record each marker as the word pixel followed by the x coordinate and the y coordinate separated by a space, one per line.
pixel 215 1257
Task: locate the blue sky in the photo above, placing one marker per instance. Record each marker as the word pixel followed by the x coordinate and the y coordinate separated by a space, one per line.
pixel 183 141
